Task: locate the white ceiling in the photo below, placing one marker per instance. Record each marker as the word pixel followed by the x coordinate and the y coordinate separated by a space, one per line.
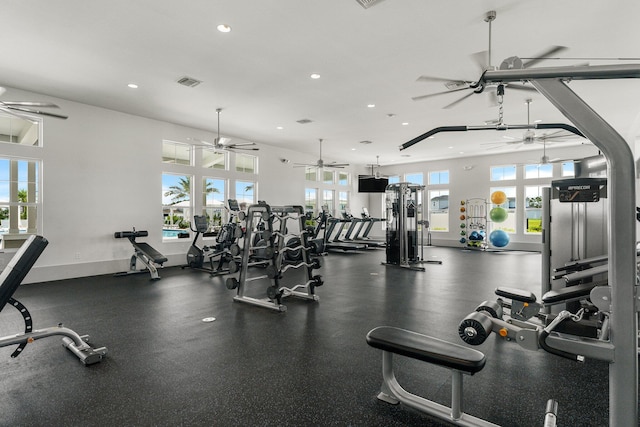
pixel 88 51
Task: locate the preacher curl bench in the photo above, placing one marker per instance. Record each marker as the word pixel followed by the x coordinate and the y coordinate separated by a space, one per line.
pixel 11 277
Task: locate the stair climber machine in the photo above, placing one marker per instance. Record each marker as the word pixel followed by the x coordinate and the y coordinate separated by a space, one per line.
pixel 221 251
pixel 270 248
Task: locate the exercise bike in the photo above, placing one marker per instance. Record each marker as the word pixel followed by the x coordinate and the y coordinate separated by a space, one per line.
pixel 230 232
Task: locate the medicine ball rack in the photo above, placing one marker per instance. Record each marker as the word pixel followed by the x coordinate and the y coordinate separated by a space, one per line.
pixel 271 249
pixel 473 217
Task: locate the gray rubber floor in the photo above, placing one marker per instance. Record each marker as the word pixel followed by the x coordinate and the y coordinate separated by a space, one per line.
pixel 308 366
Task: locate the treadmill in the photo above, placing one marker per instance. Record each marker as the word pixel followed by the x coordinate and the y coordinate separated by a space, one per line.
pixel 356 227
pixel 335 244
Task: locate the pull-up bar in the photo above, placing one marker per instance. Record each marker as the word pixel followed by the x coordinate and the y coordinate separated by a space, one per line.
pixel 498 127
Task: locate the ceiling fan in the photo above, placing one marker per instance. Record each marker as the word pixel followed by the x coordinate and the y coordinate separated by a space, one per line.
pixel 529 136
pixel 22 109
pixel 375 172
pixel 223 143
pixel 320 163
pixel 483 59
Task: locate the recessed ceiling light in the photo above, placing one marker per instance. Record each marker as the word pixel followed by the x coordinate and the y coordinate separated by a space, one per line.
pixel 431 137
pixel 353 149
pixel 224 28
pixel 371 105
pixel 405 124
pixel 451 146
pixel 537 121
pixel 315 76
pixel 279 127
pixel 133 86
pixel 461 152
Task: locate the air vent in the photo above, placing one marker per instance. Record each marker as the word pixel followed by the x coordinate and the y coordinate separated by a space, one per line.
pixel 368 3
pixel 365 142
pixel 189 81
pixel 304 121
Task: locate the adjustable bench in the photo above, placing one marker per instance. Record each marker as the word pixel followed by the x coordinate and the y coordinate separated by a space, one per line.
pixel 460 360
pixel 150 257
pixel 10 279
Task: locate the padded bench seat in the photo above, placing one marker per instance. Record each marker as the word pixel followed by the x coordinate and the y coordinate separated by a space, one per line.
pixel 516 294
pixel 569 293
pixel 149 251
pixel 426 348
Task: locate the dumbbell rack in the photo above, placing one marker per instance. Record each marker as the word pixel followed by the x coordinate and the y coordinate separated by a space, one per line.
pixel 271 250
pixel 475 219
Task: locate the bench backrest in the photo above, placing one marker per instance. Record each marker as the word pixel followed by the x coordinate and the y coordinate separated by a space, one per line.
pixel 17 269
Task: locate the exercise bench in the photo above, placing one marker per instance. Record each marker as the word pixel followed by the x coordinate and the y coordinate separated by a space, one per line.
pixel 147 255
pixel 460 360
pixel 10 279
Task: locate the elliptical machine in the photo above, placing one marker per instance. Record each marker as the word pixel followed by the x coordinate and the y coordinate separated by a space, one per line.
pixel 230 232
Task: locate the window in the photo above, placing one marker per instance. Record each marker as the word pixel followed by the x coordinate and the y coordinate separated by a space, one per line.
pixel 343 200
pixel 343 178
pixel 393 180
pixel 246 163
pixel 213 202
pixel 311 200
pixel 327 199
pixel 213 159
pixel 503 173
pixel 19 198
pixel 176 152
pixel 533 209
pixel 20 131
pixel 440 177
pixel 439 210
pixel 327 177
pixel 568 169
pixel 310 173
pixel 245 193
pixel 176 204
pixel 538 171
pixel 509 205
pixel 414 178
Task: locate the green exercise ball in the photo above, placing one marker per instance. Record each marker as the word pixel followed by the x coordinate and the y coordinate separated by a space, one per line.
pixel 498 214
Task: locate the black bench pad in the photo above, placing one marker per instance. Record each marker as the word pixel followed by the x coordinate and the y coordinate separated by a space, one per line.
pixel 425 348
pixel 516 294
pixel 568 293
pixel 146 249
pixel 19 266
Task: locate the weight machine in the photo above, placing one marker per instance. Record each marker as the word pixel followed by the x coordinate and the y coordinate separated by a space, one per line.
pixel 405 226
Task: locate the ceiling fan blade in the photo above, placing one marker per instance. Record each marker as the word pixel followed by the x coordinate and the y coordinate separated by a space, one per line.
pixel 481 59
pixel 418 98
pixel 234 147
pixel 440 79
pixel 29 104
pixel 336 165
pixel 14 114
pixel 458 100
pixel 241 144
pixel 543 55
pixel 41 113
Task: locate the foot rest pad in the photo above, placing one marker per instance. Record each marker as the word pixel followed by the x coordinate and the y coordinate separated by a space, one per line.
pixel 516 294
pixel 426 348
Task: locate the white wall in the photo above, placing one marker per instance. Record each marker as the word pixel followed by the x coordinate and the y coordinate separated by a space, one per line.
pixel 102 173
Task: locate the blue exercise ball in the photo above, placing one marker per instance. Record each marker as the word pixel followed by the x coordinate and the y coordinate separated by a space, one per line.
pixel 499 238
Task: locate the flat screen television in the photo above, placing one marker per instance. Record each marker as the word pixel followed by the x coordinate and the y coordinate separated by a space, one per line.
pixel 367 184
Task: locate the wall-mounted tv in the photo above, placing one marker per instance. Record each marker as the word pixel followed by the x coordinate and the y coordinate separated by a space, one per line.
pixel 369 184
